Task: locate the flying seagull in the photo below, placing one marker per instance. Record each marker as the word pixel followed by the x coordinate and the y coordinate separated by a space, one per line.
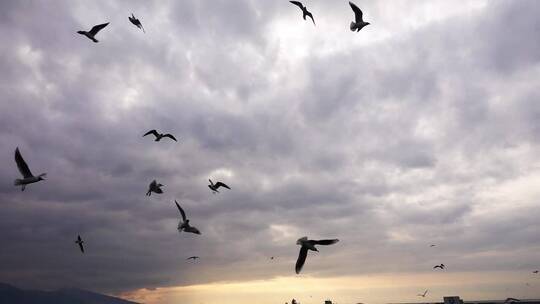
pixel 136 22
pixel 154 187
pixel 536 271
pixel 80 242
pixel 431 245
pixel 93 32
pixel 439 266
pixel 193 258
pixel 423 295
pixel 215 187
pixel 184 224
pixel 159 136
pixel 309 245
pixel 28 177
pixel 359 23
pixel 305 12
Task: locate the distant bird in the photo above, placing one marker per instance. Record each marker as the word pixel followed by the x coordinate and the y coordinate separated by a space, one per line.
pixel 93 32
pixel 511 300
pixel 193 258
pixel 536 271
pixel 359 23
pixel 431 245
pixel 154 187
pixel 439 266
pixel 271 258
pixel 80 242
pixel 136 22
pixel 309 245
pixel 159 136
pixel 423 295
pixel 215 187
pixel 28 177
pixel 184 224
pixel 305 12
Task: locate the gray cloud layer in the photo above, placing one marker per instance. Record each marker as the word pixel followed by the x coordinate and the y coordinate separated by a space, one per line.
pixel 429 136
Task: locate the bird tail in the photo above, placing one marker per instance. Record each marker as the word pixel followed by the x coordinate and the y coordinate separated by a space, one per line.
pixel 95 40
pixel 353 26
pixel 18 182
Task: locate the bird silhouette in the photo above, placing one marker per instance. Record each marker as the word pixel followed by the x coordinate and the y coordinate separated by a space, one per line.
pixel 536 271
pixel 93 32
pixel 309 245
pixel 215 187
pixel 193 258
pixel 80 242
pixel 439 266
pixel 359 23
pixel 136 22
pixel 431 245
pixel 28 177
pixel 159 136
pixel 305 12
pixel 184 224
pixel 154 187
pixel 423 295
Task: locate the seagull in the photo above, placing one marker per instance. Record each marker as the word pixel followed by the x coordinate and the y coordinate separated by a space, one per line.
pixel 536 271
pixel 93 32
pixel 193 258
pixel 359 23
pixel 159 136
pixel 309 245
pixel 511 300
pixel 305 12
pixel 431 245
pixel 154 187
pixel 28 177
pixel 80 242
pixel 136 22
pixel 214 187
pixel 423 295
pixel 439 266
pixel 184 224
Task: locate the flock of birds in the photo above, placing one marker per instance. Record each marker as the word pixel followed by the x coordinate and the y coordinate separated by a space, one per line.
pixel 155 187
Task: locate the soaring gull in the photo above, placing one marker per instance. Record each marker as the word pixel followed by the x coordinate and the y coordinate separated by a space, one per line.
pixel 305 12
pixel 215 187
pixel 28 177
pixel 359 23
pixel 159 136
pixel 439 266
pixel 93 32
pixel 423 295
pixel 184 224
pixel 154 187
pixel 80 242
pixel 309 245
pixel 136 22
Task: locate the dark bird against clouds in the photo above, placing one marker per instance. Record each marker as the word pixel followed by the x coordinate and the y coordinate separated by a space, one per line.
pixel 305 12
pixel 423 295
pixel 431 245
pixel 309 245
pixel 184 224
pixel 136 22
pixel 359 23
pixel 159 136
pixel 439 266
pixel 193 258
pixel 93 32
pixel 536 271
pixel 215 187
pixel 28 177
pixel 154 187
pixel 80 242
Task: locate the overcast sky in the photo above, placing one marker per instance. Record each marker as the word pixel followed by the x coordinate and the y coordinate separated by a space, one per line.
pixel 423 128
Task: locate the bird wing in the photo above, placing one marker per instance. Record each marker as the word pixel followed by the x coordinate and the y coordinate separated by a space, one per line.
pixel 153 132
pixel 220 184
pixel 181 211
pixel 170 136
pixel 301 259
pixel 131 19
pixel 297 3
pixel 325 242
pixel 21 164
pixel 98 28
pixel 425 292
pixel 437 266
pixel 81 246
pixel 193 230
pixel 358 15
pixel 311 16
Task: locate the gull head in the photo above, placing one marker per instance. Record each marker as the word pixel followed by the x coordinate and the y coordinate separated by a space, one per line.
pixel 301 240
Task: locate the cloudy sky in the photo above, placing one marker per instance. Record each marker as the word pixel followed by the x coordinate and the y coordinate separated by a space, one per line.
pixel 423 128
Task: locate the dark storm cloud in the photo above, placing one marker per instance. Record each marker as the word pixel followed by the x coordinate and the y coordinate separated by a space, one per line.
pixel 388 146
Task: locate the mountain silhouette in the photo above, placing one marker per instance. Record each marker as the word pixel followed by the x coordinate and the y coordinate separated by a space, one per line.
pixel 13 295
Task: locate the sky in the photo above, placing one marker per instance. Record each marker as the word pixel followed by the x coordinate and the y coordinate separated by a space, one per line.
pixel 423 128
